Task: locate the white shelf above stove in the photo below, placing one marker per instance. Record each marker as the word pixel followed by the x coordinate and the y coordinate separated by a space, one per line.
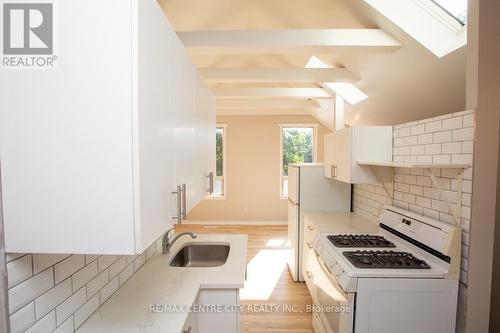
pixel 414 165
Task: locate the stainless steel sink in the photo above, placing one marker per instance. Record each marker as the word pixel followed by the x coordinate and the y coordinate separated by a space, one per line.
pixel 201 255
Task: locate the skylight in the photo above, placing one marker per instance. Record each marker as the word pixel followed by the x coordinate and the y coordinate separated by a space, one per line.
pixel 456 8
pixel 346 90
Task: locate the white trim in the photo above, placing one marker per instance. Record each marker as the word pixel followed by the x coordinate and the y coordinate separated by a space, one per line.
pixel 315 127
pixel 224 165
pixel 254 223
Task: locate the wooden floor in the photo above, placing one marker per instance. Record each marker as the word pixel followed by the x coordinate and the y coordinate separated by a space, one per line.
pixel 286 293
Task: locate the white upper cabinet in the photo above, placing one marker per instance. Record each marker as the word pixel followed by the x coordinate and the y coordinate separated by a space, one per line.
pixel 92 149
pixel 344 148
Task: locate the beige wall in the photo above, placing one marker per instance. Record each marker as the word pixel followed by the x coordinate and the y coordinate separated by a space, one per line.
pixel 253 163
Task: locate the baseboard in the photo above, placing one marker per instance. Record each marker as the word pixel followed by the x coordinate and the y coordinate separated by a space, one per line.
pixel 235 222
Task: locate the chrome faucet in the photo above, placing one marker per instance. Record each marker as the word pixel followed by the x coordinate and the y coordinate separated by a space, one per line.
pixel 166 243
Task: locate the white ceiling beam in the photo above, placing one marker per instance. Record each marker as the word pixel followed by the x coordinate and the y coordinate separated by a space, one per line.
pixel 248 92
pixel 267 104
pixel 288 41
pixel 261 112
pixel 267 75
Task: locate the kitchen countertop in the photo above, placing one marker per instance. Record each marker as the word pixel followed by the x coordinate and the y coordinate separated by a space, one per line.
pixel 344 222
pixel 156 283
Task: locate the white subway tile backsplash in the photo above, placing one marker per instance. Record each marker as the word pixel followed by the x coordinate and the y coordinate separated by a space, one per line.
pixel 83 313
pixel 417 129
pixel 42 261
pixel 441 137
pixel 434 126
pixel 463 134
pixel 13 256
pixel 105 261
pixel 425 139
pixel 30 289
pixel 19 270
pixel 108 290
pixel 22 319
pixel 467 147
pixel 462 158
pixel 411 140
pixel 117 267
pixel 69 306
pixel 69 290
pixel 139 261
pixel 68 266
pixel 441 159
pixel 52 298
pixel 90 257
pixel 433 149
pixel 84 275
pixel 452 147
pixel 126 274
pixel 46 324
pixel 452 123
pixel 97 283
pixel 66 327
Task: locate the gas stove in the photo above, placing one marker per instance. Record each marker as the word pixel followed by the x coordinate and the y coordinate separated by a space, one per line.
pixel 411 262
pixel 351 240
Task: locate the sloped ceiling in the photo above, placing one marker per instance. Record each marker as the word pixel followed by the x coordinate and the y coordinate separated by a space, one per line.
pixel 405 85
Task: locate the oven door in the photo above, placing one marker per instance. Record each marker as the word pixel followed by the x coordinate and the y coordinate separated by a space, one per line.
pixel 333 308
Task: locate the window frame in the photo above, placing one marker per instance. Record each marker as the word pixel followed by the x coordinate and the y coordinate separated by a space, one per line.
pixel 315 127
pixel 224 165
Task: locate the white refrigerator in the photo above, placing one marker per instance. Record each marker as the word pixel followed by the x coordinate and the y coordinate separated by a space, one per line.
pixel 310 191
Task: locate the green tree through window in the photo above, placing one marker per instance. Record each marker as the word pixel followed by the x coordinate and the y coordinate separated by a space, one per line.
pixel 297 146
pixel 219 151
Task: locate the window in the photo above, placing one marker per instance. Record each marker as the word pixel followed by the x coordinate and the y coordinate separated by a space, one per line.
pixel 456 8
pixel 220 163
pixel 298 145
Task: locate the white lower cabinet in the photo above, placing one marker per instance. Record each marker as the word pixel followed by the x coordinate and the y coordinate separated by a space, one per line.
pixel 215 310
pixel 92 149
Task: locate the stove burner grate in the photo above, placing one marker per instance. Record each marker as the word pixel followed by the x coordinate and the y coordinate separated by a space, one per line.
pixel 359 241
pixel 385 259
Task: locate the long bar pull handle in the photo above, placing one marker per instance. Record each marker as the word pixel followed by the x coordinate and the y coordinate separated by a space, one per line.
pixel 211 182
pixel 184 202
pixel 178 193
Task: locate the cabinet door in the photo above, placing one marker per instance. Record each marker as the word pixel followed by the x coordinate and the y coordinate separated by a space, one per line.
pixel 342 155
pixel 204 139
pixel 155 126
pixel 184 131
pixel 66 138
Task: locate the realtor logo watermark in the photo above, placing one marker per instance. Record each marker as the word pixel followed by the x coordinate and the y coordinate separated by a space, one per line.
pixel 28 35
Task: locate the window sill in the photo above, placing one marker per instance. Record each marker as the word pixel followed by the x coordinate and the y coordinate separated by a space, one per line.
pixel 215 197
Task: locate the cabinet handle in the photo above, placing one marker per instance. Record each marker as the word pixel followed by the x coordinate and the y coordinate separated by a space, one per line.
pixel 332 172
pixel 184 202
pixel 309 245
pixel 178 193
pixel 310 227
pixel 309 274
pixel 335 171
pixel 188 330
pixel 210 182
